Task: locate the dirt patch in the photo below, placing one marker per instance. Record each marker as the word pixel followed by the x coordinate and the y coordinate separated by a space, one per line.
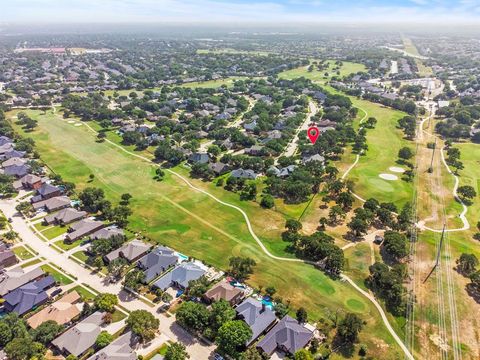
pixel 389 177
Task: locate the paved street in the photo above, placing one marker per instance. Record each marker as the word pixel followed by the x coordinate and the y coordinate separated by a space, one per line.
pixel 169 330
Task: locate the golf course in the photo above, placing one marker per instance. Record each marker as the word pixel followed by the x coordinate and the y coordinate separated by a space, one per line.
pixel 170 213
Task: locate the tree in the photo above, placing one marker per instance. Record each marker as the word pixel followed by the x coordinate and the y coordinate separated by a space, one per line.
pixel 106 302
pixel 159 174
pixel 303 354
pixel 125 199
pixel 241 267
pixel 251 354
pixel 232 336
pixel 134 279
pixel 405 153
pixel 349 328
pixel 466 264
pixel 93 199
pixel 101 136
pixel 46 332
pixel 358 226
pixel 143 324
pixel 293 225
pixel 221 312
pixel 117 268
pixel 395 244
pixel 12 326
pixel 24 349
pixel 302 316
pixel 336 214
pixel 176 351
pixel 267 201
pixel 196 288
pixel 193 316
pixel 467 192
pixel 103 339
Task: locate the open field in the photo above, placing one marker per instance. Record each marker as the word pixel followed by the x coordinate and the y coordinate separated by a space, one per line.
pixel 319 76
pixel 170 213
pixel 211 84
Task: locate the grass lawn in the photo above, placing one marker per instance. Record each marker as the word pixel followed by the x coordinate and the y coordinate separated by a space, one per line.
pixel 31 263
pixel 470 175
pixel 54 232
pixel 118 316
pixel 22 253
pixel 86 294
pixel 62 279
pixel 169 213
pixel 80 255
pixel 64 246
pixel 41 227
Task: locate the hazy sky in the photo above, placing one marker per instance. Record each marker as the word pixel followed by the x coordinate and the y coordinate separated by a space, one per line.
pixel 234 11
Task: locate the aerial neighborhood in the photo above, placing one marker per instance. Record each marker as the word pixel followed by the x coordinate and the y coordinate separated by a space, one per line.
pixel 237 193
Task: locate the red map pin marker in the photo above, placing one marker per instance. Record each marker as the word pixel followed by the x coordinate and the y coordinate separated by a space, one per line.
pixel 313 133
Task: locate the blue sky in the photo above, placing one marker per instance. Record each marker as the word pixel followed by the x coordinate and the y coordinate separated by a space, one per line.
pixel 234 11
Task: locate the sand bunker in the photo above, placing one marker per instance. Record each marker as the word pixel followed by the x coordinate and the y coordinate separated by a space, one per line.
pixel 77 124
pixel 396 169
pixel 388 177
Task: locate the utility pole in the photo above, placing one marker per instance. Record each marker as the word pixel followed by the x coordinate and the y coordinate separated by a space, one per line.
pixel 439 252
pixel 430 169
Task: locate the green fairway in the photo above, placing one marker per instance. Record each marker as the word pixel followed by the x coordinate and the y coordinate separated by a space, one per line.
pixel 470 175
pixel 170 213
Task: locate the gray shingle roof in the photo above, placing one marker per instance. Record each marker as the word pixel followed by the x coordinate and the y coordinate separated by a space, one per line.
pixel 26 297
pixel 130 251
pixel 287 335
pixel 256 315
pixel 65 216
pixel 82 336
pixel 180 275
pixel 157 261
pixel 120 349
pixel 17 277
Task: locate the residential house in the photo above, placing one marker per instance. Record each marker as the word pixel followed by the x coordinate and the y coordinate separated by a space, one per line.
pixel 14 161
pixel 157 262
pixel 16 170
pixel 82 228
pixel 316 157
pixel 28 296
pixel 53 204
pixel 257 316
pixel 28 182
pixel 200 158
pixel 287 336
pixel 61 311
pixel 245 174
pixel 254 150
pixel 120 349
pixel 65 216
pixel 6 148
pixel 250 126
pixel 130 251
pixel 7 256
pixel 14 278
pixel 107 233
pixel 46 191
pixel 180 276
pixel 226 291
pixel 219 168
pixel 80 337
pixel 4 140
pixel 13 154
